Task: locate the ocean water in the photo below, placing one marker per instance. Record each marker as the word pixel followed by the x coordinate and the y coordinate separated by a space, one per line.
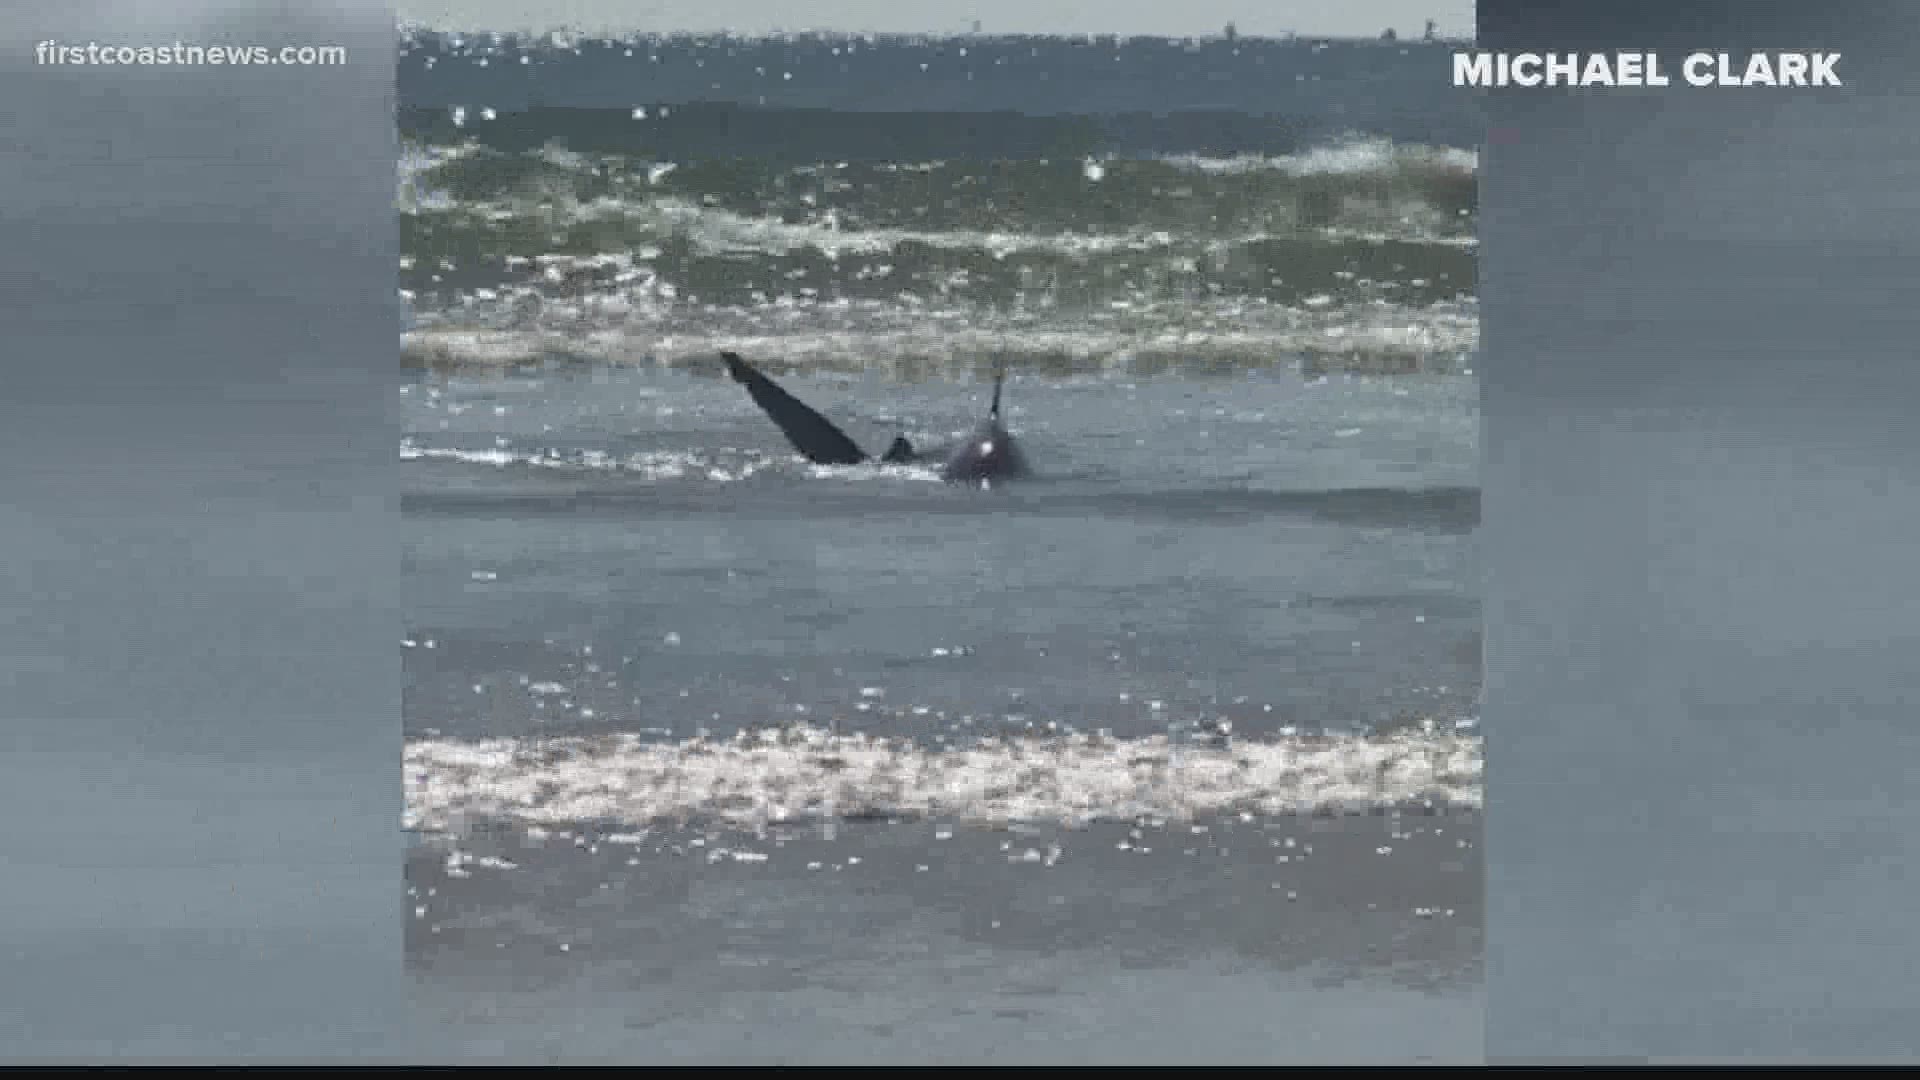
pixel 713 754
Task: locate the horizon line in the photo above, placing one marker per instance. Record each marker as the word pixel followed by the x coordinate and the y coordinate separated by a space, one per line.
pixel 607 34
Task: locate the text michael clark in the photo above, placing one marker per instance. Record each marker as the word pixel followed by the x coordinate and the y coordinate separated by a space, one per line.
pixel 1495 69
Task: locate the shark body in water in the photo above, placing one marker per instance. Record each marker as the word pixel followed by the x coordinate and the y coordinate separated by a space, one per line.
pixel 987 455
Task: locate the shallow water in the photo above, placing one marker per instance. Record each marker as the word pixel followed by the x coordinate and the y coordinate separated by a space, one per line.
pixel 630 550
pixel 1039 747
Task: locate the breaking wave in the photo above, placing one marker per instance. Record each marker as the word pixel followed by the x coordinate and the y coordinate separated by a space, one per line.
pixel 799 774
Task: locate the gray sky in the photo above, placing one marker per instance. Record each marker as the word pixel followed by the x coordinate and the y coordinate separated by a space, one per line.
pixel 1337 17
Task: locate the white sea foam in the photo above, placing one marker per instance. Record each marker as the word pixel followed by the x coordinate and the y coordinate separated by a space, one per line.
pixel 860 337
pixel 1352 157
pixel 715 231
pixel 806 773
pixel 653 465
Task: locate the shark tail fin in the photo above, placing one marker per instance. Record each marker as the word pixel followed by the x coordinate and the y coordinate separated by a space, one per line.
pixel 810 433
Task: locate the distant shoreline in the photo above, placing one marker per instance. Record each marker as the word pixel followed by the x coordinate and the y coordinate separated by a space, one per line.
pixel 574 35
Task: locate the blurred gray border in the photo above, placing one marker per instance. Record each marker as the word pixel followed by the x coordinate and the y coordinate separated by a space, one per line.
pixel 199 674
pixel 1700 523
